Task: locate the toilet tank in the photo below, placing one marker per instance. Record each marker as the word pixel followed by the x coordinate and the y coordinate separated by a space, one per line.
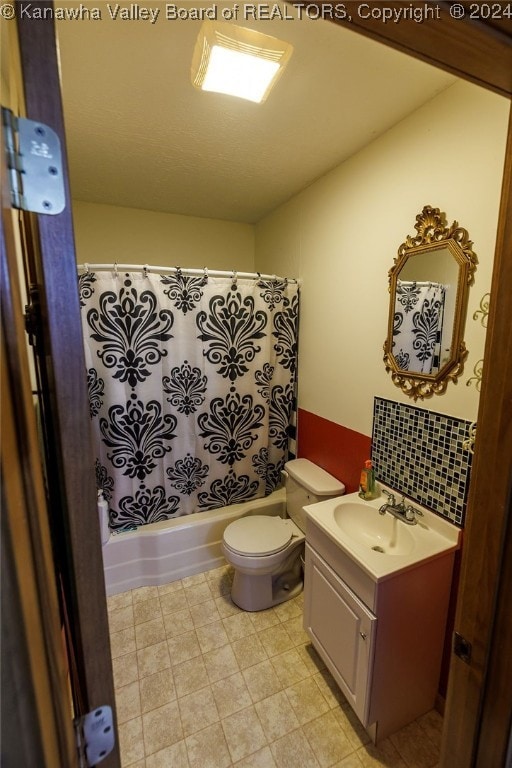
pixel 306 483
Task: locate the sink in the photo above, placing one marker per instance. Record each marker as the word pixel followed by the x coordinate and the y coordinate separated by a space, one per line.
pixel 384 534
pixel 381 545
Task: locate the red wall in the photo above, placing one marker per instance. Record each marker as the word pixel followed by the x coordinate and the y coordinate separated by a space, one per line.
pixel 338 450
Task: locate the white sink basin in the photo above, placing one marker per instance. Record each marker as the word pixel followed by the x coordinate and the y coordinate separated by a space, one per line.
pixel 363 524
pixel 381 544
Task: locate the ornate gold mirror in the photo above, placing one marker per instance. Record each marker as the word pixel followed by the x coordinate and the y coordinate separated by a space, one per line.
pixel 429 285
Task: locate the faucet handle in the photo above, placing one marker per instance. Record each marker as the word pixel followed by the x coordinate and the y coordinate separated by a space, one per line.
pixel 411 512
pixel 391 496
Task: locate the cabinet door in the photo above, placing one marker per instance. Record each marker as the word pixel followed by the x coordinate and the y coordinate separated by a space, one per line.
pixel 342 630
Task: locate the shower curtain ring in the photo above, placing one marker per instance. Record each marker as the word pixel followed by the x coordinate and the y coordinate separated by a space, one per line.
pixel 116 273
pixel 145 270
pixel 86 268
pixel 234 276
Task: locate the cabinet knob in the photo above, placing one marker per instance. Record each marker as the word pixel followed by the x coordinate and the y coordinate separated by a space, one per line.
pixel 363 635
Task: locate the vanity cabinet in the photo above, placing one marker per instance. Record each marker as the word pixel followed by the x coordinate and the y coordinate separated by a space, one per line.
pixel 382 640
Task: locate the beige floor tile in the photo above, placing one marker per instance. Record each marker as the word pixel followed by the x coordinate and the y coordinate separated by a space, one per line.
pixel 226 606
pixel 244 734
pixel 149 633
pixel 121 600
pixel 231 695
pixel 147 610
pixel 385 754
pixel 175 756
pixel 198 593
pixel 162 728
pixel 178 623
pixel 128 702
pixel 237 626
pixel 415 747
pixel 295 630
pixel 120 618
pixel 307 700
pixel 125 669
pixel 220 580
pixel 156 690
pixel 131 743
pixel 194 580
pixel 276 640
pixel 288 610
pixel 183 648
pixel 170 602
pixel 290 668
pixel 153 658
pixel 122 642
pixel 249 651
pixel 220 663
pixel 264 619
pixel 293 750
pixel 352 761
pixel 211 636
pixel 262 681
pixel 144 593
pixel 198 710
pixel 310 657
pixel 329 688
pixel 208 748
pixel 260 759
pixel 352 726
pixel 432 724
pixel 190 676
pixel 171 586
pixel 276 716
pixel 204 613
pixel 328 740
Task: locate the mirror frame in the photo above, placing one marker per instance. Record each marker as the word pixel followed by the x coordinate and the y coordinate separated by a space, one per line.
pixel 432 235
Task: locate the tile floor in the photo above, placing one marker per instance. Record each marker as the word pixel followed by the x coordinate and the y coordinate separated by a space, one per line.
pixel 202 684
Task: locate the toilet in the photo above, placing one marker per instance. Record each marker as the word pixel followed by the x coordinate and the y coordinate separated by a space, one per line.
pixel 266 552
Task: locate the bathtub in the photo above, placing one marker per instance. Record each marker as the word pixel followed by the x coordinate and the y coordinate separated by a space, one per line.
pixel 161 552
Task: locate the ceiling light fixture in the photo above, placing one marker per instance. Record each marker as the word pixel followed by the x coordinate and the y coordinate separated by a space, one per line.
pixel 238 61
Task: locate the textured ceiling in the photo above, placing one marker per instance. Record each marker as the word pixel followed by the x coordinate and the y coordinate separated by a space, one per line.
pixel 140 135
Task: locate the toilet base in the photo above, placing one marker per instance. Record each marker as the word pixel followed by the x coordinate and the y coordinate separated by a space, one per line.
pixel 257 593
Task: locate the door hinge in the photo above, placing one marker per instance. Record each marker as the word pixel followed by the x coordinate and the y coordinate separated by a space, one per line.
pixel 33 323
pixel 34 160
pixel 95 736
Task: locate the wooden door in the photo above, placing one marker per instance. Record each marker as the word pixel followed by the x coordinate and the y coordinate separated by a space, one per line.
pixel 65 552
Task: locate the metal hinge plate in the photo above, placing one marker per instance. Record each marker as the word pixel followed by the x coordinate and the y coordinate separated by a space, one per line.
pixel 34 160
pixel 95 736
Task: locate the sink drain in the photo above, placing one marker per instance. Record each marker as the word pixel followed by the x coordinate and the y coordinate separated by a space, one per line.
pixel 379 549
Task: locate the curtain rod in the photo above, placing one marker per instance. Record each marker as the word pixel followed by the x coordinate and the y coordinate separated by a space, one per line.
pixel 146 269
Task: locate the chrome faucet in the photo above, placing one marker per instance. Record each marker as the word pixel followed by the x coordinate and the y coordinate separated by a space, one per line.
pixel 404 512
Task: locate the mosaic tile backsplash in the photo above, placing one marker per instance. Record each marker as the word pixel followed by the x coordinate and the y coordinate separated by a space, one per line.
pixel 419 453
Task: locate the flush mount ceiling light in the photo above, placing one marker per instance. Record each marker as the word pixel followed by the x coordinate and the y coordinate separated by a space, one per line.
pixel 237 61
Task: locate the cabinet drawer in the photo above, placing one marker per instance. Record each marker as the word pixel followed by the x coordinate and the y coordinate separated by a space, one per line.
pixel 344 567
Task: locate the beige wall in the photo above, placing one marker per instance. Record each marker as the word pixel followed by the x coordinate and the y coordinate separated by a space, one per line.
pixel 106 233
pixel 341 235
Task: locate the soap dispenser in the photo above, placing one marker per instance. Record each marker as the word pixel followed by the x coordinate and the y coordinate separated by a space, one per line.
pixel 367 487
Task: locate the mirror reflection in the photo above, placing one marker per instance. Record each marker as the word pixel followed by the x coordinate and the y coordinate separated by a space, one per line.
pixel 428 299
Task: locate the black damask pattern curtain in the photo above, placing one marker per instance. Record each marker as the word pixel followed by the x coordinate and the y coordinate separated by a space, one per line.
pixel 192 389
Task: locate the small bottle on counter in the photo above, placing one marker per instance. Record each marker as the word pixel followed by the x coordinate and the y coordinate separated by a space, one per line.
pixel 367 487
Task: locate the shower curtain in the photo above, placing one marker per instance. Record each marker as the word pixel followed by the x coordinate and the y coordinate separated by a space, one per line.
pixel 418 325
pixel 191 388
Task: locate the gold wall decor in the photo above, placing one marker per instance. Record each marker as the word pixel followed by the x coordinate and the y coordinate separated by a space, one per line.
pixel 440 256
pixel 477 378
pixel 484 309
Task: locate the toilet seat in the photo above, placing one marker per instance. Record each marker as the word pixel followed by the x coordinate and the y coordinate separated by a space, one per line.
pixel 258 535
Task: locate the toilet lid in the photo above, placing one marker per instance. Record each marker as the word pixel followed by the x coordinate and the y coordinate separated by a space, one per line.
pixel 258 535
